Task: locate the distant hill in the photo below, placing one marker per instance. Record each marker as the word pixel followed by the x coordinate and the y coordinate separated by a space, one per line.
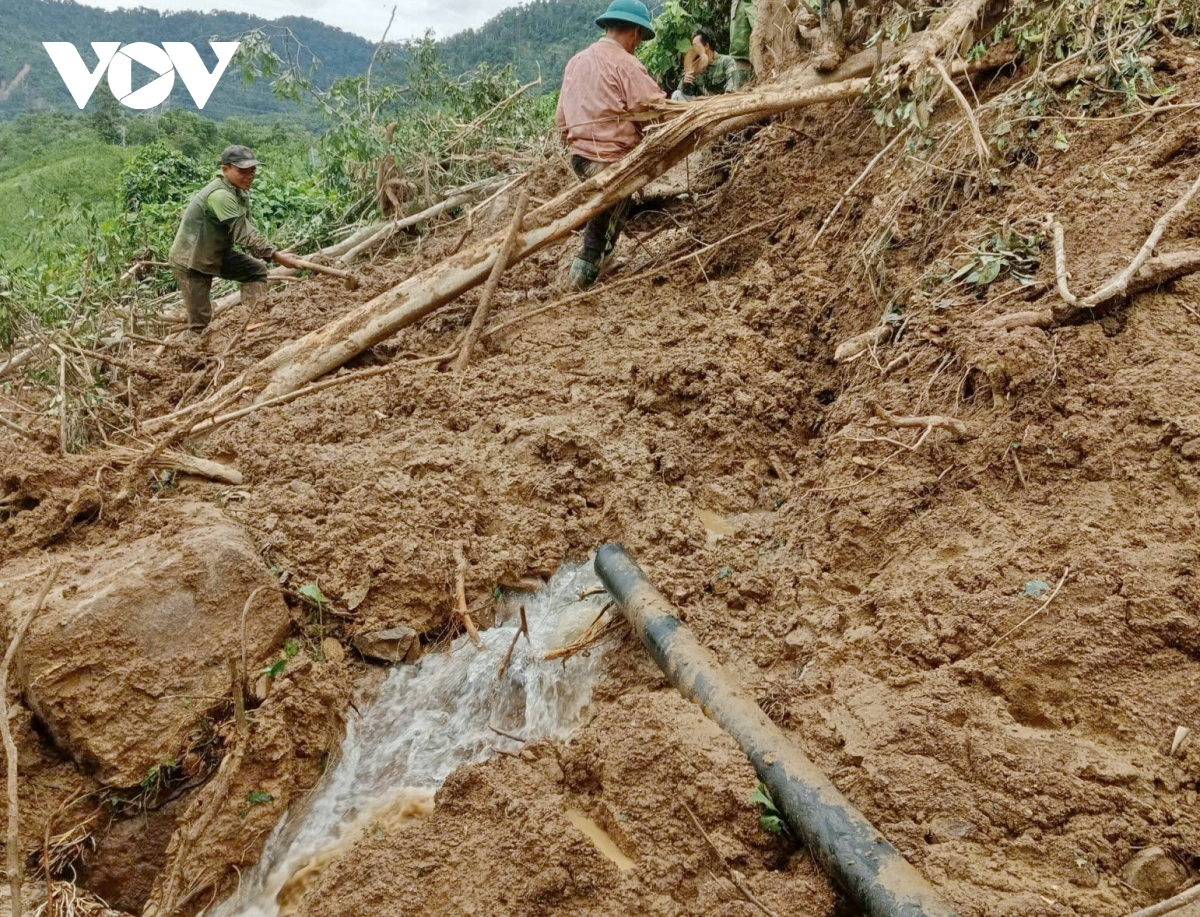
pixel 539 35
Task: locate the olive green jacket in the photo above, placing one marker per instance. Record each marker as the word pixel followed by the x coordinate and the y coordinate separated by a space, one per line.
pixel 217 218
pixel 741 24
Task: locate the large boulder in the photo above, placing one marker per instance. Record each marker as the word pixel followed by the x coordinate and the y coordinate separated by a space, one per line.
pixel 133 643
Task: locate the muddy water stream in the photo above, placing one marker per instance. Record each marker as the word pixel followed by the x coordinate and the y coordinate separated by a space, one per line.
pixel 426 720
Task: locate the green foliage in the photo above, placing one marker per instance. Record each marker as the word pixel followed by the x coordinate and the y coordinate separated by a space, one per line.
pixel 674 27
pixel 439 129
pixel 770 819
pixel 1005 253
pixel 159 174
pixel 259 798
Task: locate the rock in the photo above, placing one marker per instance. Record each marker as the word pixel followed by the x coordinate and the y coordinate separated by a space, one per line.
pixel 945 828
pixel 333 651
pixel 1154 872
pixel 1190 450
pixel 396 644
pixel 133 642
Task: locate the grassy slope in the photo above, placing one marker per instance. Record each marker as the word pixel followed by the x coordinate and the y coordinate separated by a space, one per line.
pixel 72 172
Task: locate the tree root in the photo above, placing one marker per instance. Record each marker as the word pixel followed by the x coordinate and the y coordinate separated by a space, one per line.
pixel 859 344
pixel 929 422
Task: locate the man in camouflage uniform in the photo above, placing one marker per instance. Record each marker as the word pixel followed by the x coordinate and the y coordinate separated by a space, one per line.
pixel 217 219
pixel 709 73
pixel 741 24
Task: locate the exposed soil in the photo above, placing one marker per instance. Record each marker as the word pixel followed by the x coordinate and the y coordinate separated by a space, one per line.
pixel 881 603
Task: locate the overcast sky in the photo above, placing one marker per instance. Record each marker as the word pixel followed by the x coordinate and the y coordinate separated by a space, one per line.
pixel 363 17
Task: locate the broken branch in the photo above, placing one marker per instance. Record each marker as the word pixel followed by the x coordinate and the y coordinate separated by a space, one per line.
pixel 1041 608
pixel 460 591
pixel 493 282
pixel 1171 904
pixel 523 629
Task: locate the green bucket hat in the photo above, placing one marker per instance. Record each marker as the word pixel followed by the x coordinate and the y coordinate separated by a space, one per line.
pixel 632 12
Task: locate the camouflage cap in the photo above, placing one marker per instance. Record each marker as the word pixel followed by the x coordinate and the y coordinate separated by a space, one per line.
pixel 240 156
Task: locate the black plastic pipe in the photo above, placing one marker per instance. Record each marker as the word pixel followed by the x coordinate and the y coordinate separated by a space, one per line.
pixel 870 870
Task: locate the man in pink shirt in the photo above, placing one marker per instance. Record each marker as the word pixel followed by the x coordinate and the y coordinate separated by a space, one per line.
pixel 600 84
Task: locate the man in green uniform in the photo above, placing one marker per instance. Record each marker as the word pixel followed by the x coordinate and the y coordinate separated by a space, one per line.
pixel 741 24
pixel 705 72
pixel 218 218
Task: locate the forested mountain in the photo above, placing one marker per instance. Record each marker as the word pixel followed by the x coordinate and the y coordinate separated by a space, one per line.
pixel 538 36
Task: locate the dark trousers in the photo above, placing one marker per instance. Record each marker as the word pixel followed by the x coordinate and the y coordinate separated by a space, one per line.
pixel 196 286
pixel 601 233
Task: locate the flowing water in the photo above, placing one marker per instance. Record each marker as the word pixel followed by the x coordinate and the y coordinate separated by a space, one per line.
pixel 428 719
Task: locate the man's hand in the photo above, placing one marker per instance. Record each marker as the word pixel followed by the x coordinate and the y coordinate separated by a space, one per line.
pixel 286 259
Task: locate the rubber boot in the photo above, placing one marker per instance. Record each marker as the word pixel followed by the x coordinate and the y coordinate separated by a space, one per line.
pixel 583 275
pixel 831 46
pixel 253 294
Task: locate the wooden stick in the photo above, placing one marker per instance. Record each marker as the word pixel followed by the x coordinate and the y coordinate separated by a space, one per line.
pixel 457 198
pixel 737 878
pixel 1183 899
pixel 15 427
pixel 493 282
pixel 523 629
pixel 171 460
pixel 16 864
pixel 1062 276
pixel 460 591
pixel 1041 608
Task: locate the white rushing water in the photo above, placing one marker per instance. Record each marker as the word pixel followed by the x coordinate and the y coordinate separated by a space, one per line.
pixel 430 718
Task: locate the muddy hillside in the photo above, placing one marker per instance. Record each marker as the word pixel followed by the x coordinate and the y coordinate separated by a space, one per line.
pixel 936 517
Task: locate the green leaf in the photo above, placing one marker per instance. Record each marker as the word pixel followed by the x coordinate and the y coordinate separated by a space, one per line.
pixel 990 271
pixel 772 823
pixel 1036 588
pixel 313 593
pixel 1060 141
pixel 291 649
pixel 760 797
pixel 259 798
pixel 274 671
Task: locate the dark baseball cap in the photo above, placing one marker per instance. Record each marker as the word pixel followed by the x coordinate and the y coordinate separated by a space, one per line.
pixel 240 156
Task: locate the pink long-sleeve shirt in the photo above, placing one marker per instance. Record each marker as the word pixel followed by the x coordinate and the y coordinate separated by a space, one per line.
pixel 600 83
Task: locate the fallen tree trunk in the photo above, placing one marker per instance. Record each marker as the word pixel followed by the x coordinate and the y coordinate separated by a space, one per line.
pixel 327 348
pixel 461 196
pixel 879 881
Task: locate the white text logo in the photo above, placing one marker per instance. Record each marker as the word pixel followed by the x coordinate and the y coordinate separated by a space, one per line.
pixel 173 57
